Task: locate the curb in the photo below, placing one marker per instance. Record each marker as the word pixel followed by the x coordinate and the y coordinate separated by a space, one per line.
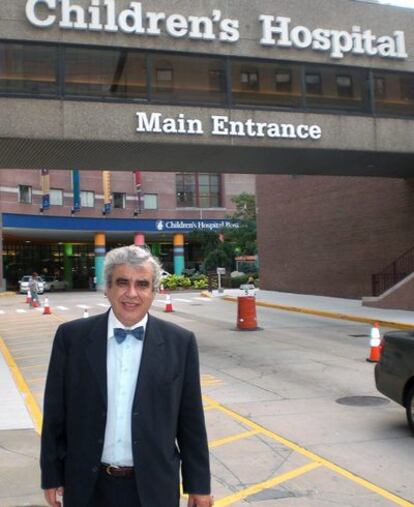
pixel 29 399
pixel 329 315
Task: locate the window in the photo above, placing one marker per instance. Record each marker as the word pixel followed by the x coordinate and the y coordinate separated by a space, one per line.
pixel 267 84
pixel 313 84
pixel 283 81
pixel 198 190
pixel 25 194
pixel 118 200
pixel 344 86
pixel 87 199
pixel 188 79
pixel 56 197
pixel 249 80
pixel 104 73
pixel 150 201
pixel 394 93
pixel 28 69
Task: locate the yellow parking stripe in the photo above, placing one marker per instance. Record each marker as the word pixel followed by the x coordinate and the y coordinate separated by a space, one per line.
pixel 311 455
pixel 29 399
pixel 228 500
pixel 233 438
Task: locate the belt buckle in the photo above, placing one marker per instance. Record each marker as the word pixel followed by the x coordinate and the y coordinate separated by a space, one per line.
pixel 108 469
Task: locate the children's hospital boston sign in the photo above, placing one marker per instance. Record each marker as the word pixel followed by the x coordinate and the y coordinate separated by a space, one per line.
pixel 275 29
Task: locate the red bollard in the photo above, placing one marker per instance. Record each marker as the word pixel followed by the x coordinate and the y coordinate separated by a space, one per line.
pixel 246 313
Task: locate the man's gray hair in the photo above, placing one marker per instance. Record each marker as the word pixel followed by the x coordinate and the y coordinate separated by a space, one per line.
pixel 134 256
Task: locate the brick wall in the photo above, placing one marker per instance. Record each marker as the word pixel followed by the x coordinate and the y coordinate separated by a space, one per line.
pixel 328 235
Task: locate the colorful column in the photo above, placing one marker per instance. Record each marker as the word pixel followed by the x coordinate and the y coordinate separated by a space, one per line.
pixel 2 280
pixel 99 260
pixel 139 239
pixel 67 263
pixel 178 253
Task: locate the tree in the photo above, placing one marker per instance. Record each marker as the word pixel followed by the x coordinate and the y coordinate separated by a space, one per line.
pixel 244 236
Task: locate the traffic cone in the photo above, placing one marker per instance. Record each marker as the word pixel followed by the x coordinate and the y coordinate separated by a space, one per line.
pixel 374 342
pixel 46 307
pixel 85 313
pixel 162 290
pixel 35 303
pixel 28 297
pixel 168 304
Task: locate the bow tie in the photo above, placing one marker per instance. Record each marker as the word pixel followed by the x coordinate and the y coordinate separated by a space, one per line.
pixel 121 333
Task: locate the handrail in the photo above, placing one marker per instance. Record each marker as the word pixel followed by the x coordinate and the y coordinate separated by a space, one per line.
pixel 400 268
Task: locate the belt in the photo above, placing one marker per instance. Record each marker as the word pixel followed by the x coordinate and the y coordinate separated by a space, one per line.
pixel 117 471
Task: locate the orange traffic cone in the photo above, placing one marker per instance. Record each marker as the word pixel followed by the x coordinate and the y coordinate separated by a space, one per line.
pixel 168 304
pixel 374 342
pixel 35 303
pixel 28 297
pixel 46 307
pixel 85 313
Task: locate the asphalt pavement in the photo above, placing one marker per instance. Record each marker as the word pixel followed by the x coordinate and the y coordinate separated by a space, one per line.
pixel 19 423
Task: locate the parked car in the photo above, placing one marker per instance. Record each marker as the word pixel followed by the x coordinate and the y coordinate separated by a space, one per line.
pixel 24 284
pixel 394 373
pixel 53 283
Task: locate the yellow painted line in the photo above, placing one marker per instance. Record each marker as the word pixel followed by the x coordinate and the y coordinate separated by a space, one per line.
pixel 210 383
pixel 228 500
pixel 28 397
pixel 233 438
pixel 329 315
pixel 311 455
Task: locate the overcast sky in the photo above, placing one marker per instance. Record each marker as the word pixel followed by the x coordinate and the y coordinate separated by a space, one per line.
pixel 402 3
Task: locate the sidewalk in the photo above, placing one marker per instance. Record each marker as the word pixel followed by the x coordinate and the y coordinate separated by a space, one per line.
pixel 336 308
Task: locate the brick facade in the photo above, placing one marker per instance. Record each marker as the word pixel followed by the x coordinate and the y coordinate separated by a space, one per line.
pixel 328 235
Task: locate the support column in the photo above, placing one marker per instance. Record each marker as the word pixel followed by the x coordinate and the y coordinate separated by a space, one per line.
pixel 139 239
pixel 178 253
pixel 67 263
pixel 99 260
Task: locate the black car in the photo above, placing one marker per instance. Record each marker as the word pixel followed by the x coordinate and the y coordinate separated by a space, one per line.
pixel 394 373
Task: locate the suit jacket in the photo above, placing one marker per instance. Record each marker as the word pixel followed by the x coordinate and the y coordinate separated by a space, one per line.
pixel 168 426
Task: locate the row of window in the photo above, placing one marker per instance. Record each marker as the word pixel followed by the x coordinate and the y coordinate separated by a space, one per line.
pixel 160 77
pixel 192 190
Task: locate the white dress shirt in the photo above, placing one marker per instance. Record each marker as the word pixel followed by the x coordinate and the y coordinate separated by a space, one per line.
pixel 122 363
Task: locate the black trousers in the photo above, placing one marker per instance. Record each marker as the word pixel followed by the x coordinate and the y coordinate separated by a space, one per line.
pixel 115 492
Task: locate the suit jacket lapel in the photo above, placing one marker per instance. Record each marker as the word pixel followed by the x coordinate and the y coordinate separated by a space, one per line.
pixel 152 359
pixel 96 352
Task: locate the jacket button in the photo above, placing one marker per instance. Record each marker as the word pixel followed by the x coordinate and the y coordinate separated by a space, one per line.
pixel 95 469
pixel 135 442
pixel 135 414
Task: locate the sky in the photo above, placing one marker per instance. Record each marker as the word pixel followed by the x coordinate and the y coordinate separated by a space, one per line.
pixel 402 3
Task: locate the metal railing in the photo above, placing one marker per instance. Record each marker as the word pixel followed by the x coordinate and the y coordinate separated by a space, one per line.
pixel 393 273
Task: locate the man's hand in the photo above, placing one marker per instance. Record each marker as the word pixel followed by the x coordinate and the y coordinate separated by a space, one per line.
pixel 200 501
pixel 51 496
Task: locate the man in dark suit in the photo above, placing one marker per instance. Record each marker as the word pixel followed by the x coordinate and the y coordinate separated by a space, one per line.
pixel 122 406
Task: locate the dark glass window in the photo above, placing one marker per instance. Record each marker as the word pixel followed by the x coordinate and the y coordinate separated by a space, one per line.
pixel 105 73
pixel 394 93
pixel 27 69
pixel 344 86
pixel 198 190
pixel 313 84
pixel 266 84
pixel 333 88
pixel 118 200
pixel 25 194
pixel 188 79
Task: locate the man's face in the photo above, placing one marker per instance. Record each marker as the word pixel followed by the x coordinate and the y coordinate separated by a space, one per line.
pixel 131 293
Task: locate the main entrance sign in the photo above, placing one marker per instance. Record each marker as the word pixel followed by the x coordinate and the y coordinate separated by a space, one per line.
pixel 221 125
pixel 278 31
